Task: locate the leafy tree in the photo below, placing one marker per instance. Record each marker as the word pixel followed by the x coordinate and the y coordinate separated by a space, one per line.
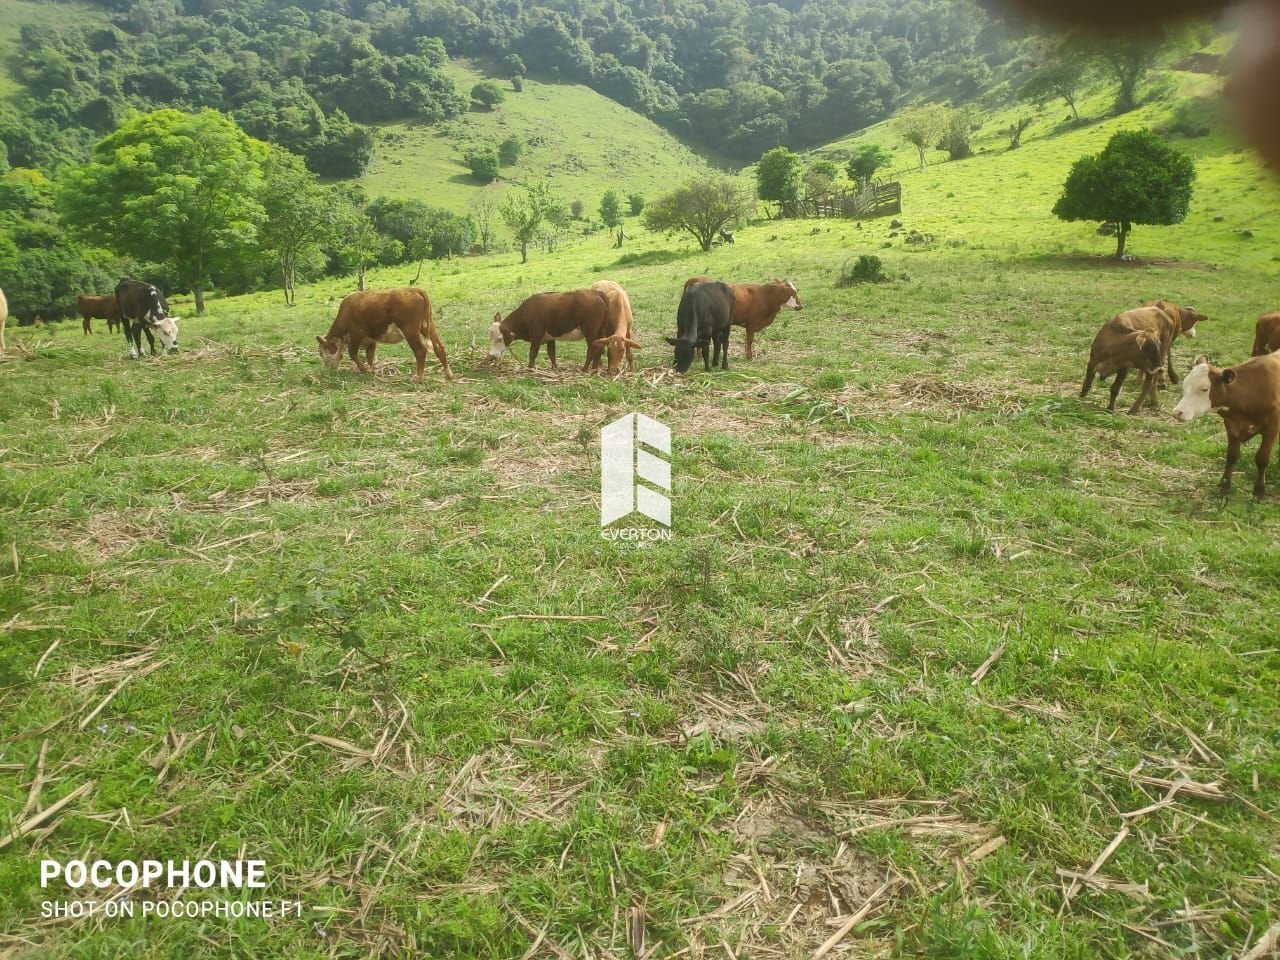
pixel 1125 58
pixel 957 127
pixel 826 168
pixel 576 208
pixel 487 94
pixel 611 213
pixel 300 216
pixel 513 66
pixel 636 204
pixel 171 187
pixel 510 151
pixel 1061 77
pixel 921 127
pixel 701 207
pixel 483 163
pixel 1017 129
pixel 517 84
pixel 863 165
pixel 525 214
pixel 1136 179
pixel 359 245
pixel 778 175
pixel 483 209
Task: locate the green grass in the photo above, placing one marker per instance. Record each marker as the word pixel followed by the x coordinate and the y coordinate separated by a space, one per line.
pixel 778 700
pixel 581 142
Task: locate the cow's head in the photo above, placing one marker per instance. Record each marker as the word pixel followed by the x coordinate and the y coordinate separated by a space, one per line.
pixel 330 351
pixel 1185 317
pixel 155 307
pixel 499 338
pixel 684 353
pixel 1203 389
pixel 794 301
pixel 167 330
pixel 615 346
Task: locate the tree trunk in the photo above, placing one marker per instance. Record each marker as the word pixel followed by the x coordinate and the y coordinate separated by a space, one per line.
pixel 921 149
pixel 360 278
pixel 524 251
pixel 198 289
pixel 1122 234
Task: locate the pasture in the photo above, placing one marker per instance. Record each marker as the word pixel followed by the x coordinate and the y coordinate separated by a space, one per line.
pixel 369 632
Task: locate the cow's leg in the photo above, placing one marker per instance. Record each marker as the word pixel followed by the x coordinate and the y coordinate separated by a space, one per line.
pixel 705 347
pixel 151 338
pixel 1089 373
pixel 551 355
pixel 1233 457
pixel 353 351
pixel 419 351
pixel 631 362
pixel 129 337
pixel 1173 377
pixel 534 345
pixel 751 339
pixel 724 350
pixel 1148 390
pixel 88 328
pixel 438 346
pixel 1116 385
pixel 1263 459
pixel 369 351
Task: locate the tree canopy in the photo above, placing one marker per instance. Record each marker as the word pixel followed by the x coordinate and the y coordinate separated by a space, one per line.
pixel 1136 179
pixel 701 207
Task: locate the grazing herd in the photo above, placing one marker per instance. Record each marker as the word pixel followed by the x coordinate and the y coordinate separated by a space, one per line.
pixel 1246 396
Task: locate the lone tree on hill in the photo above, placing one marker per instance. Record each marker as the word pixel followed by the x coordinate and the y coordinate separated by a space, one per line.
pixel 863 165
pixel 922 126
pixel 487 94
pixel 525 214
pixel 1136 179
pixel 175 188
pixel 700 207
pixel 611 213
pixel 778 178
pixel 301 215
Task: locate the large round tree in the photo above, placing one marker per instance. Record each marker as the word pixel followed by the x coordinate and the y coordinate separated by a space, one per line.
pixel 1136 179
pixel 171 187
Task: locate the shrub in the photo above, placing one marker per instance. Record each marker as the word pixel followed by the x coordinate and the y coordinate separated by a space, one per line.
pixel 867 269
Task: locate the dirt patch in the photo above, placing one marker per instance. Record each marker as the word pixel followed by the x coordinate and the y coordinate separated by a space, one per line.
pixel 1135 262
pixel 1210 63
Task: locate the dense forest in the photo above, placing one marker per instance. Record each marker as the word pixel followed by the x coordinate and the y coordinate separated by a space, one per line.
pixel 736 76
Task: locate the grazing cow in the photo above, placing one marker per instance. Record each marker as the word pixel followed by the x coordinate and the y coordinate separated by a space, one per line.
pixel 1126 341
pixel 551 317
pixel 1266 335
pixel 621 322
pixel 367 318
pixel 142 310
pixel 1247 397
pixel 755 305
pixel 4 315
pixel 1183 321
pixel 99 308
pixel 705 316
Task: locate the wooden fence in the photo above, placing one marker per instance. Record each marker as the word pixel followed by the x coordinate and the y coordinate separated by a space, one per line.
pixel 874 200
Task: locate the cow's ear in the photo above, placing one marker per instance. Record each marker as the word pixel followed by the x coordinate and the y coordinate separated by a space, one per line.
pixel 632 344
pixel 671 340
pixel 1203 358
pixel 602 342
pixel 497 318
pixel 1228 376
pixel 320 340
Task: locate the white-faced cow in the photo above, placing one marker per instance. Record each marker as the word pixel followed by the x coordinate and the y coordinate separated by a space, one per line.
pixel 620 323
pixel 552 317
pixel 756 305
pixel 1247 397
pixel 367 318
pixel 705 317
pixel 143 309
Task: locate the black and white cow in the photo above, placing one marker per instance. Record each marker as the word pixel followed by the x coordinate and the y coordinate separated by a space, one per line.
pixel 143 309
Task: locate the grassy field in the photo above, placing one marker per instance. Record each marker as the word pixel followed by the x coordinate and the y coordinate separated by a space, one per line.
pixel 579 141
pixel 258 609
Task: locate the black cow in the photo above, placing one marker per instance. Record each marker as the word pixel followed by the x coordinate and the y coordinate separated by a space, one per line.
pixel 704 317
pixel 143 309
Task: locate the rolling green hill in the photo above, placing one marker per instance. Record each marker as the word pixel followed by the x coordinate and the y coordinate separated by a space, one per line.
pixel 582 142
pixel 15 14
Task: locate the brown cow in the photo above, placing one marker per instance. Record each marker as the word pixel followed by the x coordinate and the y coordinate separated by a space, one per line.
pixel 99 308
pixel 621 322
pixel 1128 340
pixel 370 317
pixel 1266 335
pixel 755 305
pixel 1247 397
pixel 1183 321
pixel 550 317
